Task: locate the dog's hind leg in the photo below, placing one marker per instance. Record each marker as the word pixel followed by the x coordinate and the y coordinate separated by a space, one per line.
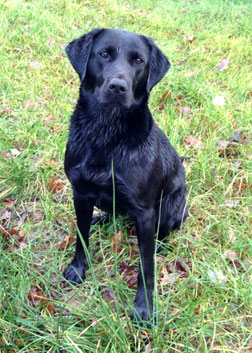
pixel 172 214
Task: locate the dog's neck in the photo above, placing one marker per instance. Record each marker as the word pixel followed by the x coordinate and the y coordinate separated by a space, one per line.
pixel 104 128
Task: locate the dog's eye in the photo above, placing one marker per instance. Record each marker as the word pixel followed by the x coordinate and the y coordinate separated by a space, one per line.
pixel 104 54
pixel 138 61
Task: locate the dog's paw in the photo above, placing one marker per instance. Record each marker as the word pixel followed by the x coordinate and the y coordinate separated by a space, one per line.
pixel 142 315
pixel 74 274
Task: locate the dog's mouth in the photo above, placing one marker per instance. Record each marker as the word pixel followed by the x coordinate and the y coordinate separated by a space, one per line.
pixel 116 100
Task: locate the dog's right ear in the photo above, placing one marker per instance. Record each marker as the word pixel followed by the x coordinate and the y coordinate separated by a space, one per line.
pixel 78 51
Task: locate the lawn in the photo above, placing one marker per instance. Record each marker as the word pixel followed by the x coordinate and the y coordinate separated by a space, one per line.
pixel 203 288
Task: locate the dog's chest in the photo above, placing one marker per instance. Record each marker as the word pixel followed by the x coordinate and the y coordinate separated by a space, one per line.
pixel 103 184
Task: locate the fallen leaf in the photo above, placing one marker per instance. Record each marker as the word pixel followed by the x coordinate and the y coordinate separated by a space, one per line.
pixel 185 110
pixel 190 74
pixel 37 298
pixel 8 202
pixel 28 104
pixel 3 231
pixel 223 65
pixel 35 65
pixel 15 152
pixel 148 347
pixel 238 137
pixel 51 41
pixel 56 184
pixel 117 241
pixel 219 100
pixel 190 38
pixel 217 276
pixel 6 215
pixel 164 95
pixel 231 255
pixel 108 295
pixel 194 142
pixel 230 203
pixel 65 243
pixel 48 120
pixel 231 236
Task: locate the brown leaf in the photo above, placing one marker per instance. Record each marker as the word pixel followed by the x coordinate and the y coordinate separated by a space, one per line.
pixel 37 298
pixel 190 38
pixel 194 142
pixel 8 202
pixel 29 104
pixel 65 243
pixel 185 110
pixel 6 111
pixel 108 295
pixel 6 215
pixel 117 240
pixel 48 120
pixel 231 255
pixel 223 65
pixel 3 231
pixel 56 184
pixel 190 74
pixel 132 282
pixel 164 95
pixel 51 41
pixel 238 137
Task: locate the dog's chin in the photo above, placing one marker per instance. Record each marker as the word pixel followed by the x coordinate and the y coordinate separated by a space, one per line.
pixel 115 102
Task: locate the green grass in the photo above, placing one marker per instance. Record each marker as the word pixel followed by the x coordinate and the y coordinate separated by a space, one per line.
pixel 203 306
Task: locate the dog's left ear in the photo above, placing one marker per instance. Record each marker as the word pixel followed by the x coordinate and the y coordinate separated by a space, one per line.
pixel 78 52
pixel 158 66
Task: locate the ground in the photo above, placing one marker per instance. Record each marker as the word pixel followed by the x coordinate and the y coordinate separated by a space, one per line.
pixel 203 290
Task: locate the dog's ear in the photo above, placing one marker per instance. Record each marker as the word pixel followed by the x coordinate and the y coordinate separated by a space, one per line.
pixel 78 51
pixel 158 66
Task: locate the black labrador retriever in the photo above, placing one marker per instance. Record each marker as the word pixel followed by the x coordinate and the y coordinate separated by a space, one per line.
pixel 115 149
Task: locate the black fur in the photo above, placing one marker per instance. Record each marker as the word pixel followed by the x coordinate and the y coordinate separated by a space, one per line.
pixel 112 126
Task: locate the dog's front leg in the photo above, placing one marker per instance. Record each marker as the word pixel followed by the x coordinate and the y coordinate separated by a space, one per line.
pixel 75 272
pixel 145 226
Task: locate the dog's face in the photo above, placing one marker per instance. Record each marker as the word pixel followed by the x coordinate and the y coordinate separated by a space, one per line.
pixel 118 67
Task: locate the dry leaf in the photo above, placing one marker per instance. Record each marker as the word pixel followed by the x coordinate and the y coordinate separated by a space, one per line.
pixel 230 203
pixel 190 38
pixel 223 65
pixel 219 100
pixel 231 255
pixel 185 110
pixel 164 95
pixel 28 104
pixel 65 243
pixel 35 65
pixel 6 215
pixel 48 120
pixel 117 240
pixel 56 184
pixel 194 142
pixel 15 152
pixel 217 276
pixel 190 74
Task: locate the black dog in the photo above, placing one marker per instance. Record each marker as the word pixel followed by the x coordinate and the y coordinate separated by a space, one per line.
pixel 113 137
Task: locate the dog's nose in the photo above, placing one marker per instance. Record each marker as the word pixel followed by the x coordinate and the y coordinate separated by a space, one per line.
pixel 117 86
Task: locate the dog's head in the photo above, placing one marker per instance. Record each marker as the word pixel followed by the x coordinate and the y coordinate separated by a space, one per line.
pixel 117 66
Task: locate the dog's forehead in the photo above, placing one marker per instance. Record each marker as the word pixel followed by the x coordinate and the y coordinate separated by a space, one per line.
pixel 121 40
